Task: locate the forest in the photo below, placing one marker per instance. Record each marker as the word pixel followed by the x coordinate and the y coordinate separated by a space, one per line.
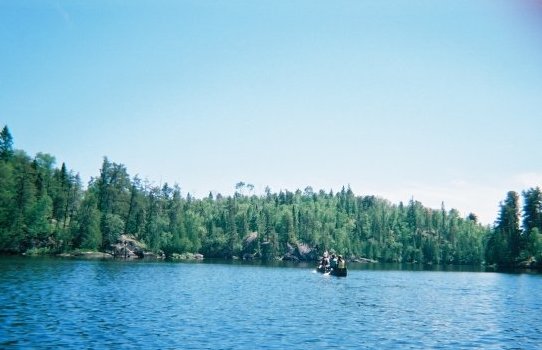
pixel 46 209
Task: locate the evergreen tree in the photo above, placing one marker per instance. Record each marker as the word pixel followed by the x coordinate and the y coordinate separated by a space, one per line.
pixel 532 224
pixel 87 234
pixel 532 209
pixel 6 144
pixel 38 222
pixel 504 245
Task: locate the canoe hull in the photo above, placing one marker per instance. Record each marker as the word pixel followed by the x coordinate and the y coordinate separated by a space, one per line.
pixel 334 272
pixel 339 272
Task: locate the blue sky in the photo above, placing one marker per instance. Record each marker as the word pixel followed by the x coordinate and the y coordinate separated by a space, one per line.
pixel 435 100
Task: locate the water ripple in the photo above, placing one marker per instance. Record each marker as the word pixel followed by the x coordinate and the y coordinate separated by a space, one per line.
pixel 94 305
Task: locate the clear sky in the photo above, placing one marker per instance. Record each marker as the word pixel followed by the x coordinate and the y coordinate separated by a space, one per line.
pixel 435 100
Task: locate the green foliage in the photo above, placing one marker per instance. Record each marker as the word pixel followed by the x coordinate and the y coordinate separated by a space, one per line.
pixel 507 244
pixel 38 219
pixel 43 208
pixel 39 251
pixel 532 209
pixel 6 144
pixel 503 246
pixel 86 228
pixel 111 227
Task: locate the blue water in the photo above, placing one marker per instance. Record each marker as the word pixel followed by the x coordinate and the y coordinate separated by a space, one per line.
pixel 76 304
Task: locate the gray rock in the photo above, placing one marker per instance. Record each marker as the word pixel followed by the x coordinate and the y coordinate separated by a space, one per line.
pixel 93 255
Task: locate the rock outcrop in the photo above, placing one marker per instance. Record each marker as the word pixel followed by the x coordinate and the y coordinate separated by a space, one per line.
pixel 187 256
pixel 300 252
pixel 250 246
pixel 127 247
pixel 92 255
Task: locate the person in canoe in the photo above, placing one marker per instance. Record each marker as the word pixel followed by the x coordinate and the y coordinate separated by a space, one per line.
pixel 334 262
pixel 324 263
pixel 341 263
pixel 340 270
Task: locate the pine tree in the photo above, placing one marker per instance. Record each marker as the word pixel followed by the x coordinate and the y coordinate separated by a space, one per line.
pixel 87 233
pixel 532 223
pixel 507 234
pixel 6 144
pixel 532 209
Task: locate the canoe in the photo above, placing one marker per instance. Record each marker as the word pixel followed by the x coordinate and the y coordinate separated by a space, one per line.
pixel 333 271
pixel 339 272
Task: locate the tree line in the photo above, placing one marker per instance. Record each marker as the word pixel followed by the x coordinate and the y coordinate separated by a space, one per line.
pixel 516 238
pixel 44 209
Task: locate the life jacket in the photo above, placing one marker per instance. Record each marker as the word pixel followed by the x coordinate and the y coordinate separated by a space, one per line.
pixel 342 264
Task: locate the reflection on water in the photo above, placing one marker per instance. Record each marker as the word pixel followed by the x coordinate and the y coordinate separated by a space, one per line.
pixel 54 303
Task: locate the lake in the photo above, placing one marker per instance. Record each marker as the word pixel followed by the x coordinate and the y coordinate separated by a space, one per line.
pixel 76 304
